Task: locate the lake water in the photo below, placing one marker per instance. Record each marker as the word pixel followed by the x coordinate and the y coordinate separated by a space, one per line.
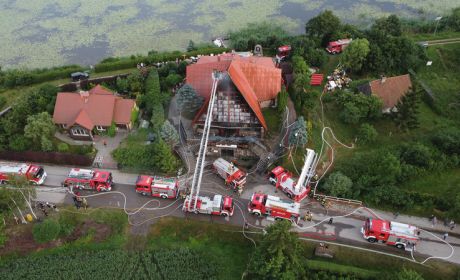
pixel 52 32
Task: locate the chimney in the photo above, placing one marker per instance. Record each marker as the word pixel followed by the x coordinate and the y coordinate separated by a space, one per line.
pixel 383 79
pixel 84 95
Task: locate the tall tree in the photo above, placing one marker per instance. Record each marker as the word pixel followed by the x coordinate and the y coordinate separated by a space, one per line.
pixel 323 26
pixel 279 255
pixel 40 129
pixel 169 133
pixel 188 101
pixel 152 94
pixel 164 159
pixel 158 116
pixel 355 54
pixel 298 134
pixel 407 110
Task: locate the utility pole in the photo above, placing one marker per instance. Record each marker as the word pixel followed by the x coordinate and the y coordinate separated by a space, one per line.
pixel 437 19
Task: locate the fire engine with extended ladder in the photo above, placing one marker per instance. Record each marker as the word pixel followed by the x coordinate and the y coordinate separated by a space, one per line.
pixel 218 205
pixel 295 189
pixel 402 236
pixel 87 179
pixel 157 186
pixel 34 173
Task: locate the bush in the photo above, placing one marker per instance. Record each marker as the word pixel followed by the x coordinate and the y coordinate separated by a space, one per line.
pixel 367 133
pixel 338 185
pixel 2 101
pixel 63 147
pixel 3 237
pixel 68 222
pixel 23 77
pixel 112 130
pixel 46 231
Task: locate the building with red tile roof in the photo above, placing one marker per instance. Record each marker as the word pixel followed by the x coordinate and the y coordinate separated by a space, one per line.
pixel 250 84
pixel 83 113
pixel 389 90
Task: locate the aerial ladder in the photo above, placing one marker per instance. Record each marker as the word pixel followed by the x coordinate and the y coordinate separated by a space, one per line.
pixel 200 160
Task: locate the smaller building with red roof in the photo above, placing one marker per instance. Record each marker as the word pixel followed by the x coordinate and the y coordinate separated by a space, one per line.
pixel 81 114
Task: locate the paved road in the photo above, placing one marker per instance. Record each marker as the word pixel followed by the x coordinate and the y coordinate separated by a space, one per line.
pixel 440 42
pixel 342 230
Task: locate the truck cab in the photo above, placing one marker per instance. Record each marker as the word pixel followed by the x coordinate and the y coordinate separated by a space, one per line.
pixel 36 174
pixel 102 181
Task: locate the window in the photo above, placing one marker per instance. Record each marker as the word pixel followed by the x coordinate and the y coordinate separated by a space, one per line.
pixel 100 128
pixel 79 132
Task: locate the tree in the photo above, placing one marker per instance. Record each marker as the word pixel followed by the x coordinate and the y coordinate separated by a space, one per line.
pixel 171 80
pixel 191 46
pixel 169 133
pixel 279 255
pixel 407 110
pixel 282 100
pixel 40 129
pixel 188 101
pixel 267 34
pixel 152 94
pixel 447 140
pixel 163 158
pixel 355 54
pixel 323 26
pixel 367 133
pixel 454 19
pixel 298 134
pixel 158 116
pixel 339 185
pixel 46 231
pixel 122 85
pixel 356 107
pixel 350 113
pixel 390 25
pixel 135 81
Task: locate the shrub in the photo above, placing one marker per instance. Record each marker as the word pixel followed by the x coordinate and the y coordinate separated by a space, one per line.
pixel 46 231
pixel 63 147
pixel 2 101
pixel 112 130
pixel 338 185
pixel 367 133
pixel 3 236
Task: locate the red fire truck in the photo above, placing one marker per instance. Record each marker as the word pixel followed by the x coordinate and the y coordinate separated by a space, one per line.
pixel 402 236
pixel 219 205
pixel 86 179
pixel 338 46
pixel 233 176
pixel 273 206
pixel 282 52
pixel 34 173
pixel 157 186
pixel 296 189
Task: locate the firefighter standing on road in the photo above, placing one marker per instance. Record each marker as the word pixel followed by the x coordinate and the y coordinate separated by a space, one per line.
pixel 240 191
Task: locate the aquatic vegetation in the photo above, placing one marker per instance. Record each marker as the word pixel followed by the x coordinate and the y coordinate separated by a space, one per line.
pixel 50 33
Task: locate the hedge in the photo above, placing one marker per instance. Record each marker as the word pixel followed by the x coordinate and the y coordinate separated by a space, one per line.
pixel 24 77
pixel 111 64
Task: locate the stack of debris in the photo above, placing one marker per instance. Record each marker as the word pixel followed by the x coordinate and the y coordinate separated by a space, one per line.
pixel 338 79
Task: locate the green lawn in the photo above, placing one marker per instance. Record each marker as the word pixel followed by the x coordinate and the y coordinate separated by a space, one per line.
pixel 432 36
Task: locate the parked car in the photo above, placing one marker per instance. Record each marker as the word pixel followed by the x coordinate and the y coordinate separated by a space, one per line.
pixel 77 76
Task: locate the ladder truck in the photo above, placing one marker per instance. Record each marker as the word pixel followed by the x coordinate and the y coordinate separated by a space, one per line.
pixel 218 205
pixel 87 179
pixel 274 207
pixel 157 186
pixel 296 189
pixel 33 173
pixel 402 236
pixel 233 176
